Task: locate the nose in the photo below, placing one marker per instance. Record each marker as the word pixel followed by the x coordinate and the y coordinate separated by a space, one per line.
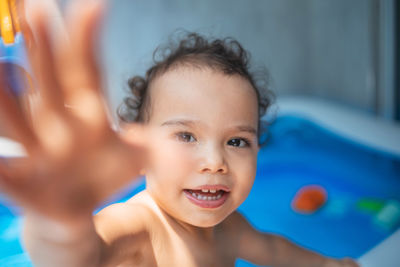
pixel 213 160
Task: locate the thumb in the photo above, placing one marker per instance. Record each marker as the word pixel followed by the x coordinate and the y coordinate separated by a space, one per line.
pixel 135 134
pixel 349 262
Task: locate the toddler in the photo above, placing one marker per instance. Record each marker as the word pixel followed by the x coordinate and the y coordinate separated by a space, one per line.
pixel 191 126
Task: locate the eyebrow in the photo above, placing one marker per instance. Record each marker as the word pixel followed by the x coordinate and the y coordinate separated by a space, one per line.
pixel 191 123
pixel 179 122
pixel 246 128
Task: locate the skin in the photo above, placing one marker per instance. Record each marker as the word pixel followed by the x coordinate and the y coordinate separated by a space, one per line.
pixel 171 230
pixel 67 173
pixel 210 151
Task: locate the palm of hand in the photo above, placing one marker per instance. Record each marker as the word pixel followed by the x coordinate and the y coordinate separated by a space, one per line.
pixel 74 159
pixel 346 262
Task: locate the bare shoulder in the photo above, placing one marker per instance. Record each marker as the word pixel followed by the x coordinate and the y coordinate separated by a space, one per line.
pixel 125 228
pixel 121 219
pixel 237 230
pixel 253 245
pixel 237 223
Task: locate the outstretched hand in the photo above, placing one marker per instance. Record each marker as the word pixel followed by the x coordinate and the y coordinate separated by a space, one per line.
pixel 74 159
pixel 345 262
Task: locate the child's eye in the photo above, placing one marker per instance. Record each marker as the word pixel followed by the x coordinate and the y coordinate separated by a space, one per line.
pixel 239 142
pixel 185 137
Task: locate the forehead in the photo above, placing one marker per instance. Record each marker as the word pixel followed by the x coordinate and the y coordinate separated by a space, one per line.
pixel 203 94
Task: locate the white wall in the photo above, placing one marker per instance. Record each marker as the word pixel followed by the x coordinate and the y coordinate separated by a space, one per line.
pixel 315 47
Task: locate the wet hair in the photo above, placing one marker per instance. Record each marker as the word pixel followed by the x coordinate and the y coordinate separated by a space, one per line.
pixel 194 50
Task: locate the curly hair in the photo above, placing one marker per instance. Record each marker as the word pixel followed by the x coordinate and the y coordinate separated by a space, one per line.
pixel 226 55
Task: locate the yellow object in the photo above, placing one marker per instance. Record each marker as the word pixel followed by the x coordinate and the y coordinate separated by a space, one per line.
pixel 6 23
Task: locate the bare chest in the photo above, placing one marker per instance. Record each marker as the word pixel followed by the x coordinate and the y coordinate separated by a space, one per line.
pixel 174 250
pixel 180 253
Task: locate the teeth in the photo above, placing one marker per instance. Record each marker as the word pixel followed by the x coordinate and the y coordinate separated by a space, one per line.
pixel 213 191
pixel 204 190
pixel 208 198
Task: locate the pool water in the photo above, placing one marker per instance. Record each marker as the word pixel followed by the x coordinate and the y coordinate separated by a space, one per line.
pixel 298 153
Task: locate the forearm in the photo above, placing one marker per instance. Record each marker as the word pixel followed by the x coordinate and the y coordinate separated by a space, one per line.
pixel 51 243
pixel 289 254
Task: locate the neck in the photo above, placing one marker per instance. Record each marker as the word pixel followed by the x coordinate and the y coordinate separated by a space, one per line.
pixel 203 233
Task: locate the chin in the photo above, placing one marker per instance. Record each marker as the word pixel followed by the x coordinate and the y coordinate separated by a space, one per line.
pixel 208 224
pixel 210 219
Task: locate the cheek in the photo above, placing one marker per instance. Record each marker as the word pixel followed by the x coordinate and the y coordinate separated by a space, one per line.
pixel 170 160
pixel 247 181
pixel 245 176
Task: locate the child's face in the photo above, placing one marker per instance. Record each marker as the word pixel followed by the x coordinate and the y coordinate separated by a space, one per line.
pixel 204 127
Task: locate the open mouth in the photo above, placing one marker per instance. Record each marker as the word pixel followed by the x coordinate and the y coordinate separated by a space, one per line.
pixel 207 198
pixel 205 194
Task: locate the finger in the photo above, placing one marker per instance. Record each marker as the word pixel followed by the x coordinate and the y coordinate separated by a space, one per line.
pixel 79 57
pixel 4 176
pixel 18 181
pixel 14 15
pixel 78 68
pixel 11 115
pixel 136 134
pixel 25 28
pixel 137 137
pixel 85 39
pixel 11 180
pixel 43 65
pixel 350 262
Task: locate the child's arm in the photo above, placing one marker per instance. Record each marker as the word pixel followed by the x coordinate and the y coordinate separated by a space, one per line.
pixel 53 243
pixel 116 235
pixel 74 159
pixel 272 250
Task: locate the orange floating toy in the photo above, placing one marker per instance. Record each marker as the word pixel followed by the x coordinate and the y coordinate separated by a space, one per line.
pixel 309 199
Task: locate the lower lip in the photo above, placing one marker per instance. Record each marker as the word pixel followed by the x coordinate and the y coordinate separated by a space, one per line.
pixel 209 204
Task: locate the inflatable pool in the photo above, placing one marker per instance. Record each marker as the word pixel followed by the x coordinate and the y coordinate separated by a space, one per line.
pixel 355 158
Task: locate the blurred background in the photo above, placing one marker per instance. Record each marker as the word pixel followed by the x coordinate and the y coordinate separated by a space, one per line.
pixel 340 50
pixel 333 66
